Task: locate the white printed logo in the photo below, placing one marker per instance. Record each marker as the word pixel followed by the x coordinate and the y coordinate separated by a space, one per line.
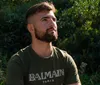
pixel 46 75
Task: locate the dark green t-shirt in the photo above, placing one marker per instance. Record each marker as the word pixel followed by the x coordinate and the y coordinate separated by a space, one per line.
pixel 28 68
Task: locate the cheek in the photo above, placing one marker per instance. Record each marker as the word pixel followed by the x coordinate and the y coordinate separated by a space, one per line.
pixel 38 25
pixel 41 24
pixel 41 27
pixel 45 24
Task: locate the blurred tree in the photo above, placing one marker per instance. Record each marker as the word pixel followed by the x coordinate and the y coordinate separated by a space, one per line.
pixel 78 26
pixel 79 30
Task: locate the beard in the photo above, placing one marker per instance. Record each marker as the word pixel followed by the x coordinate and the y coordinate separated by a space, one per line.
pixel 47 36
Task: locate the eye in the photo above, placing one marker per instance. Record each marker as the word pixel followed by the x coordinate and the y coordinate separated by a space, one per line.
pixel 44 19
pixel 54 19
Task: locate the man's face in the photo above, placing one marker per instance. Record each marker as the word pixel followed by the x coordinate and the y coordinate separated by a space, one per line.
pixel 45 27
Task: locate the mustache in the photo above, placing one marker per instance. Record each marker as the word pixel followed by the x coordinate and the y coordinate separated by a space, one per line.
pixel 51 28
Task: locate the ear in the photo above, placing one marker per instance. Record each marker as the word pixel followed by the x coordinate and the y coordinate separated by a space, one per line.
pixel 30 28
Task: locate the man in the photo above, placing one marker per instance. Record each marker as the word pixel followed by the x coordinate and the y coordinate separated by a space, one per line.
pixel 41 63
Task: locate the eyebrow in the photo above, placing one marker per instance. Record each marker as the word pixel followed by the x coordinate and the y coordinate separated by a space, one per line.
pixel 45 17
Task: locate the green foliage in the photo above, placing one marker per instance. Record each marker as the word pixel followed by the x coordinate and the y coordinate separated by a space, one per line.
pixel 13 30
pixel 94 79
pixel 2 69
pixel 79 31
pixel 2 78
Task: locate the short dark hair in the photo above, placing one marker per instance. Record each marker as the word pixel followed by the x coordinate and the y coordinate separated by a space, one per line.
pixel 43 6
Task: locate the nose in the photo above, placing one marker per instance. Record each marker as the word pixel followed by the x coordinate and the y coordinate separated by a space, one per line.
pixel 52 22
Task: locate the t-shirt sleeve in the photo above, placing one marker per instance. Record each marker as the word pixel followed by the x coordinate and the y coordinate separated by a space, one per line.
pixel 71 71
pixel 14 72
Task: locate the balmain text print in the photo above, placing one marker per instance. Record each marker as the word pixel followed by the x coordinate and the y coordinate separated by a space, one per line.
pixel 46 76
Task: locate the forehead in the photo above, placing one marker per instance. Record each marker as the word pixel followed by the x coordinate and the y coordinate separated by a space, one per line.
pixel 44 14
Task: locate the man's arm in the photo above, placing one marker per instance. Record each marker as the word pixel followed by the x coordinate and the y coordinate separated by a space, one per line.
pixel 75 84
pixel 71 73
pixel 14 73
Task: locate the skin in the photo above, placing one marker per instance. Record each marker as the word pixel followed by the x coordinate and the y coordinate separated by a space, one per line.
pixel 39 24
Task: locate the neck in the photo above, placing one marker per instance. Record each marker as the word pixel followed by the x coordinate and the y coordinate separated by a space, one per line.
pixel 43 49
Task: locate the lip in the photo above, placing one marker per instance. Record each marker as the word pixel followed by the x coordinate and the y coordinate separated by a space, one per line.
pixel 51 29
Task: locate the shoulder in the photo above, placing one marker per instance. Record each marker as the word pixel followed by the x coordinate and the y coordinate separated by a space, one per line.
pixel 19 60
pixel 62 52
pixel 64 55
pixel 18 56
